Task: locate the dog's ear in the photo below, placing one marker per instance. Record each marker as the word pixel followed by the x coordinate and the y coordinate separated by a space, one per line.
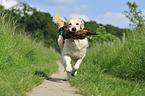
pixel 82 24
pixel 59 21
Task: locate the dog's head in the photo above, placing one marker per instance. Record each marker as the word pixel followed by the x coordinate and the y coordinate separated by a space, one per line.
pixel 58 20
pixel 75 24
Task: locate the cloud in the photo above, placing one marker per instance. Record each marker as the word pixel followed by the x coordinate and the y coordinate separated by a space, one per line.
pixel 116 19
pixel 65 1
pixel 70 10
pixel 8 3
pixel 63 9
pixel 84 17
pixel 80 8
pixel 60 1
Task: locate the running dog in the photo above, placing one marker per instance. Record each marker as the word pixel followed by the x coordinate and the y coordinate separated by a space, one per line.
pixel 71 49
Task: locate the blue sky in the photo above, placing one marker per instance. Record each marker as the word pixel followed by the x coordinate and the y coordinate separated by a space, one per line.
pixel 101 11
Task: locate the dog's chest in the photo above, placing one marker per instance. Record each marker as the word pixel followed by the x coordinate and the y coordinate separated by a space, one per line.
pixel 76 44
pixel 75 48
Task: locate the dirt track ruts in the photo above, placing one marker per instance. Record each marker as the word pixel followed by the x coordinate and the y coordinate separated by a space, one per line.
pixel 55 86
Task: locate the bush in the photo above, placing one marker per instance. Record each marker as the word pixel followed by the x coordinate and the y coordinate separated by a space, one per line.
pixel 114 70
pixel 124 61
pixel 102 37
pixel 20 59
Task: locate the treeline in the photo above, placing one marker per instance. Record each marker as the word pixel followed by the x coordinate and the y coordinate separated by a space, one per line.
pixel 118 32
pixel 39 24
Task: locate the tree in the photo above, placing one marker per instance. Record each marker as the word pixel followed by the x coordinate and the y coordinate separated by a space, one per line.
pixel 135 16
pixel 38 24
pixel 102 37
pixel 42 28
pixel 115 30
pixel 1 8
pixel 91 26
pixel 24 10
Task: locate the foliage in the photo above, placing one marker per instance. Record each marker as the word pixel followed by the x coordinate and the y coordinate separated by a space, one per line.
pixel 135 16
pixel 118 32
pixel 114 70
pixel 38 24
pixel 23 62
pixel 107 70
pixel 23 10
pixel 102 37
pixel 41 28
pixel 91 26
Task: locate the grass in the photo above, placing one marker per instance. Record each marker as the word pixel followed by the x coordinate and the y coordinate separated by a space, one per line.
pixel 114 70
pixel 24 63
pixel 107 70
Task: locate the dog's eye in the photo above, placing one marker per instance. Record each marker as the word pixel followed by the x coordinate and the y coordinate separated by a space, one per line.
pixel 69 24
pixel 77 23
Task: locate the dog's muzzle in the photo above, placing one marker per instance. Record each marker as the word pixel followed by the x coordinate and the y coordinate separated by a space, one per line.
pixel 74 29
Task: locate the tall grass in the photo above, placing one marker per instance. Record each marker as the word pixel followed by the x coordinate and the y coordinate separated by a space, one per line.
pixel 23 62
pixel 114 70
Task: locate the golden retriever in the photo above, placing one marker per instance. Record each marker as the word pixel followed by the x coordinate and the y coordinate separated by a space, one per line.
pixel 71 49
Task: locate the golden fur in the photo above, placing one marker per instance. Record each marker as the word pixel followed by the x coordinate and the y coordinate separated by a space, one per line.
pixel 72 49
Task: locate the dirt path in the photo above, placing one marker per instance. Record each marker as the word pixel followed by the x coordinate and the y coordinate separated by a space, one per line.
pixel 55 86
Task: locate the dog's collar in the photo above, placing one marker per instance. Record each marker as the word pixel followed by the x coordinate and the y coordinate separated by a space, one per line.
pixel 63 33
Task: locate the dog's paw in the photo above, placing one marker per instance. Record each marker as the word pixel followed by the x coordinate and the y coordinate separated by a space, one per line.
pixel 69 76
pixel 74 74
pixel 68 69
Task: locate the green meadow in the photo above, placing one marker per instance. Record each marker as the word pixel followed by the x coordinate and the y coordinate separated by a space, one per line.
pixel 24 64
pixel 114 69
pixel 111 67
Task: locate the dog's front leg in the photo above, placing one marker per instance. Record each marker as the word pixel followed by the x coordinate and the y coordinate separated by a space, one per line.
pixel 67 63
pixel 60 41
pixel 68 67
pixel 76 67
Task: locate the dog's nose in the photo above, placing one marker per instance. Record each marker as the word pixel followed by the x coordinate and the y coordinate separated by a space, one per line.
pixel 74 29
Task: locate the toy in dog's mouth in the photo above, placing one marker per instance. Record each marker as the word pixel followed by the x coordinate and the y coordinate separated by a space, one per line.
pixel 74 34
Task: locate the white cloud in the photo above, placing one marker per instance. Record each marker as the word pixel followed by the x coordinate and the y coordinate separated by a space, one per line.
pixel 68 10
pixel 8 3
pixel 80 8
pixel 61 1
pixel 65 1
pixel 84 17
pixel 116 19
pixel 63 9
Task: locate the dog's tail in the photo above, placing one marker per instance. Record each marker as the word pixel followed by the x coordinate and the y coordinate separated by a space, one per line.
pixel 59 21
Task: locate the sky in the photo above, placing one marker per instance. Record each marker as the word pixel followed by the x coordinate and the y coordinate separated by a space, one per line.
pixel 101 11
